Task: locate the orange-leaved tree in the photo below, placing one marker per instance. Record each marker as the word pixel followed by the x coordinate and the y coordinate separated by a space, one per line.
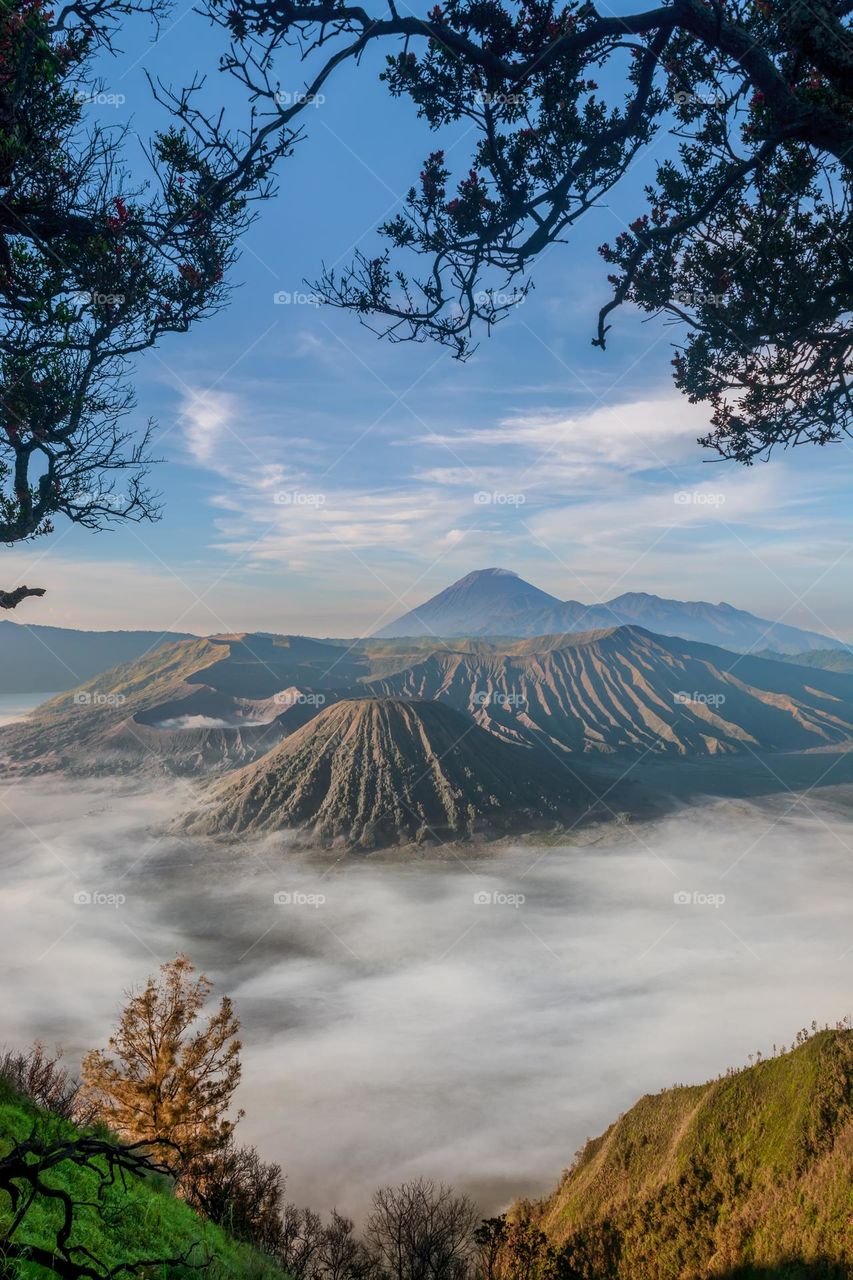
pixel 166 1077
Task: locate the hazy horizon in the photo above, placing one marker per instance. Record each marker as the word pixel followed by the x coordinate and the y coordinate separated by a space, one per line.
pixel 808 621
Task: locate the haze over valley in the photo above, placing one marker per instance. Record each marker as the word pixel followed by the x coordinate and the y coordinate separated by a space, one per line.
pixel 394 1024
pixel 426 640
pixel 452 883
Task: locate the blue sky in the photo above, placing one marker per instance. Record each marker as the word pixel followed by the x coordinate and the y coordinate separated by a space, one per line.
pixel 319 480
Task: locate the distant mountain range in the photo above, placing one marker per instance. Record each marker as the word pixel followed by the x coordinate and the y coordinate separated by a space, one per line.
pixel 200 706
pixel 488 602
pixel 825 659
pixel 36 659
pixel 745 1178
pixel 496 602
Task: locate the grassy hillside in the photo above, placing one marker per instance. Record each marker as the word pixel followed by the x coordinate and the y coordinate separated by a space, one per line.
pixel 747 1176
pixel 141 1219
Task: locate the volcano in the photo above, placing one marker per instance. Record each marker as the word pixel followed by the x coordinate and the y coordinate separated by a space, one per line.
pixel 374 772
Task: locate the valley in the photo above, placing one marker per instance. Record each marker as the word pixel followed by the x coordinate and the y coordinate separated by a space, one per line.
pixel 431 1014
pixel 453 884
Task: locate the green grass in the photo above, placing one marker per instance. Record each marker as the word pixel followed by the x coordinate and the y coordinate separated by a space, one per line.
pixel 749 1175
pixel 141 1219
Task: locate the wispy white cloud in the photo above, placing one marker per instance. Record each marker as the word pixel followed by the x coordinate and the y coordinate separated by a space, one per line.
pixel 634 436
pixel 331 531
pixel 205 419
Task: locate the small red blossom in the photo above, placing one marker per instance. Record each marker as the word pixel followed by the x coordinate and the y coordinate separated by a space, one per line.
pixel 190 274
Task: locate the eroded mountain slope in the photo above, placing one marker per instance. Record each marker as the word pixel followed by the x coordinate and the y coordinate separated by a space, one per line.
pixel 625 689
pixel 377 772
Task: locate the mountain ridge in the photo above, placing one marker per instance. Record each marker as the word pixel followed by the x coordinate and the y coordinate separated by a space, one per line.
pixel 42 659
pixel 474 606
pixel 493 602
pixel 208 705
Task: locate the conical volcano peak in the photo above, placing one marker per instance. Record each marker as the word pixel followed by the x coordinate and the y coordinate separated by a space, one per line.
pixel 373 772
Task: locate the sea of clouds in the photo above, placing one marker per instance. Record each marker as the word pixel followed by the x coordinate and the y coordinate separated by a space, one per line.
pixel 469 1018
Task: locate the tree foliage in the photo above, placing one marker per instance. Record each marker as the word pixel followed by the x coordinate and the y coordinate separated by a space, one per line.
pixel 744 237
pixel 165 1079
pixel 102 254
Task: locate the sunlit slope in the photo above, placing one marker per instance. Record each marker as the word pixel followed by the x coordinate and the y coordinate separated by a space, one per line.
pixel 192 706
pixel 140 1219
pixel 382 772
pixel 625 689
pixel 748 1172
pixel 205 705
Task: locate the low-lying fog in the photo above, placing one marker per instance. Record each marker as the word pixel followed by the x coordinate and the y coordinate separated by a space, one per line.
pixel 469 1020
